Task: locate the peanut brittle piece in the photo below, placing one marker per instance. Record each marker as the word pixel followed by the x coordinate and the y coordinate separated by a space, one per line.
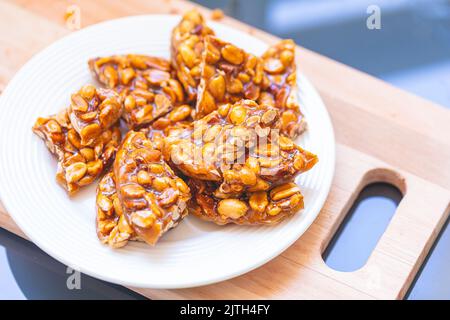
pixel 200 150
pixel 186 50
pixel 124 71
pixel 153 198
pixel 180 114
pixel 228 74
pixel 237 146
pixel 252 208
pixel 281 71
pixel 112 227
pixel 78 165
pixel 261 171
pixel 92 111
pixel 179 118
pixel 146 85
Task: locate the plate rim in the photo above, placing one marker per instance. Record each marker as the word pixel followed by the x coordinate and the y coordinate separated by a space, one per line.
pixel 97 274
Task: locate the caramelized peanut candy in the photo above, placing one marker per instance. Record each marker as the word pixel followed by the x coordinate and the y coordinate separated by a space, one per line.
pixel 186 50
pixel 179 118
pixel 229 74
pixel 124 71
pixel 238 147
pixel 281 89
pixel 201 149
pixel 146 85
pixel 78 165
pixel 153 198
pixel 253 208
pixel 92 111
pixel 112 227
pixel 180 114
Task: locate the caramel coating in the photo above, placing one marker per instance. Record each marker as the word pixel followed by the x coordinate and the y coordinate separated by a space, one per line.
pixel 237 146
pixel 186 50
pixel 153 198
pixel 253 208
pixel 281 92
pixel 92 111
pixel 146 85
pixel 78 165
pixel 228 74
pixel 112 227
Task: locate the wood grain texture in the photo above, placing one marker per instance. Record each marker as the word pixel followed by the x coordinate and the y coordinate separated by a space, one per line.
pixel 383 134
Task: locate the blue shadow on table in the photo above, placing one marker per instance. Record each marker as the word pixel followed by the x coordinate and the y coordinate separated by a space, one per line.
pixel 29 273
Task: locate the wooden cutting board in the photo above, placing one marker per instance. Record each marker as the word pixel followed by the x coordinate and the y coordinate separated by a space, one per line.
pixel 383 134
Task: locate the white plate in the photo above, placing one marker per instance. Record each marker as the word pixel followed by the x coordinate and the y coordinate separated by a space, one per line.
pixel 193 254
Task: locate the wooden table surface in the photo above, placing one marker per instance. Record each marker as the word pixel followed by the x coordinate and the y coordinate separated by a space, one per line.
pixel 382 133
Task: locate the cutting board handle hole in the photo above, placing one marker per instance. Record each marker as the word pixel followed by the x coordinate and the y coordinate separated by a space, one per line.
pixel 370 211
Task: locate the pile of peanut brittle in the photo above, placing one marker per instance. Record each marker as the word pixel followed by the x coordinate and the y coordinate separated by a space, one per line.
pixel 209 133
